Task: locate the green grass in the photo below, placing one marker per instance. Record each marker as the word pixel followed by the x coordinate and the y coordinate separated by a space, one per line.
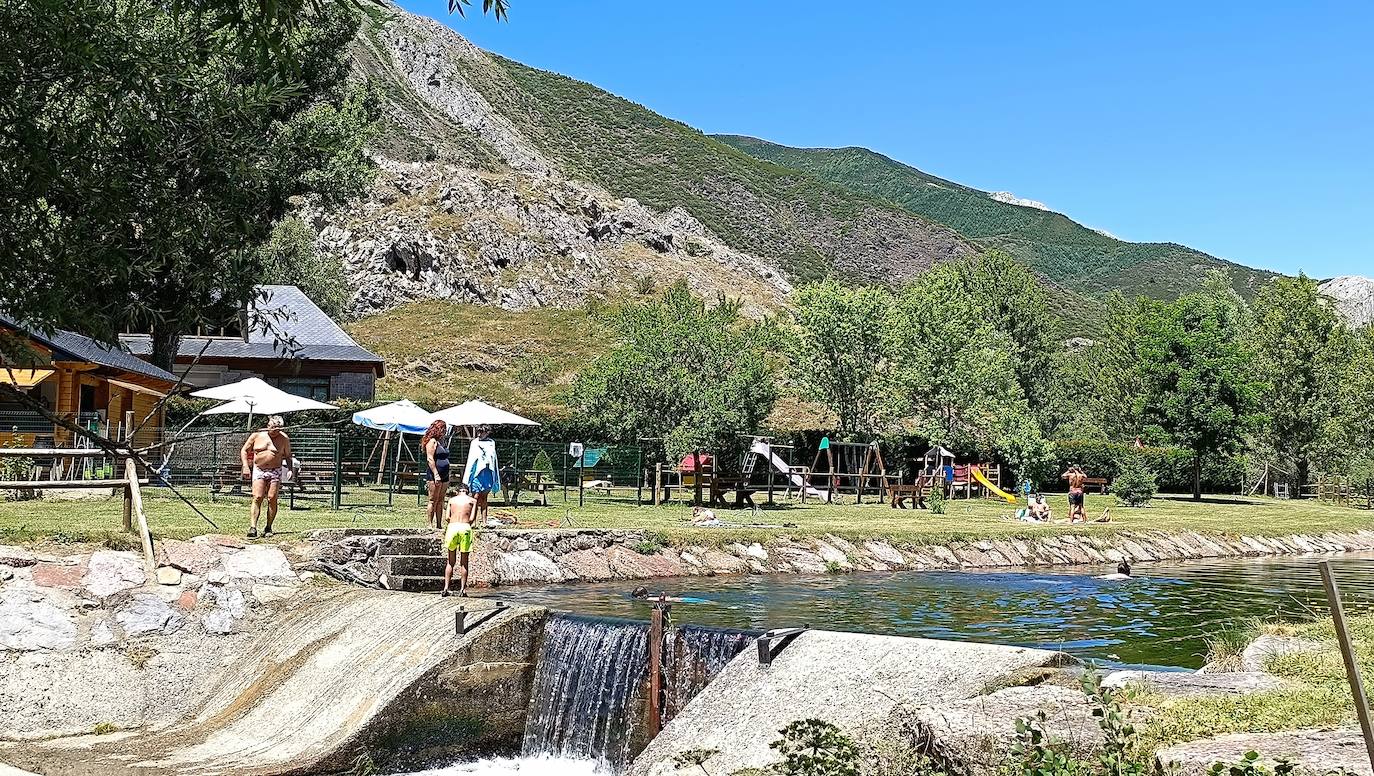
pixel 484 352
pixel 1319 696
pixel 98 521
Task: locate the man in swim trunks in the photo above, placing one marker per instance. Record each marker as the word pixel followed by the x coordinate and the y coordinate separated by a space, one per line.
pixel 1077 479
pixel 458 537
pixel 265 456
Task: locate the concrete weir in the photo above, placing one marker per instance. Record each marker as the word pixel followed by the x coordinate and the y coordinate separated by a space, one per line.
pixel 852 680
pixel 363 673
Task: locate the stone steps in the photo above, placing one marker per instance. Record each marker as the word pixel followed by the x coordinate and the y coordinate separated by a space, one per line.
pixel 409 545
pixel 411 565
pixel 414 584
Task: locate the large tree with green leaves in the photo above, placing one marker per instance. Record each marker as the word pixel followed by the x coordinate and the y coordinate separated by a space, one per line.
pixel 1301 347
pixel 839 352
pixel 693 374
pixel 1195 369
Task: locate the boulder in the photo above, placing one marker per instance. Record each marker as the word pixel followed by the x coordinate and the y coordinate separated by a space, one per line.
pixel 268 594
pixel 974 735
pixel 148 614
pixel 168 575
pixel 1315 752
pixel 585 565
pixel 61 576
pixel 192 557
pixel 626 563
pixel 525 566
pixel 16 557
pixel 260 563
pixel 103 633
pixel 1178 683
pixel 885 553
pixel 228 599
pixel 1266 647
pixel 219 622
pixel 221 540
pixel 29 622
pixel 852 680
pixel 110 572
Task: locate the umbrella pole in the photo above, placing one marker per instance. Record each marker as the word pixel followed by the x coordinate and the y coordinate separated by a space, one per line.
pixel 381 460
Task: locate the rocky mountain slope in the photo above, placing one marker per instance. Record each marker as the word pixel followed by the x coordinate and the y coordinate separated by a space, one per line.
pixel 1354 296
pixel 1063 250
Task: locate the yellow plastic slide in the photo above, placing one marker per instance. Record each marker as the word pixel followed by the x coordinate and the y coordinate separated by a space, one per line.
pixel 978 475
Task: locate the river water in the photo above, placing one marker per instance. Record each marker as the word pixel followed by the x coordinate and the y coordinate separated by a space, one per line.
pixel 1163 616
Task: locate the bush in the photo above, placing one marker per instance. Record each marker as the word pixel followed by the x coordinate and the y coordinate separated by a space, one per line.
pixel 533 370
pixel 1172 466
pixel 937 500
pixel 1134 485
pixel 542 463
pixel 813 747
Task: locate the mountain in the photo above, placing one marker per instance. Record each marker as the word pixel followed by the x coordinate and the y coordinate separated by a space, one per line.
pixel 1354 297
pixel 1064 251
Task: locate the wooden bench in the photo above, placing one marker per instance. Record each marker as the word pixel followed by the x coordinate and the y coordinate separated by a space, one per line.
pixel 916 494
pixel 1100 483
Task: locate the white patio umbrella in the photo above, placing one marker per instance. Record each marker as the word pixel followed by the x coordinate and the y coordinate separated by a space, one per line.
pixel 478 413
pixel 404 416
pixel 253 396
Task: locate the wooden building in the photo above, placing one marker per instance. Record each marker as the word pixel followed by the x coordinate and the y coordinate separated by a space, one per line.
pixel 85 381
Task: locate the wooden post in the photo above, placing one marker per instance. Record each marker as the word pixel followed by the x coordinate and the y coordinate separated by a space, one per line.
pixel 128 523
pixel 381 459
pixel 696 481
pixel 658 483
pixel 656 618
pixel 1352 666
pixel 135 500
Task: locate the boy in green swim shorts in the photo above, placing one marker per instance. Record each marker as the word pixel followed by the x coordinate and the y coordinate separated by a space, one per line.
pixel 458 537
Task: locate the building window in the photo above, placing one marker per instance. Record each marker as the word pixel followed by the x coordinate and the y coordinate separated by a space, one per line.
pixel 316 388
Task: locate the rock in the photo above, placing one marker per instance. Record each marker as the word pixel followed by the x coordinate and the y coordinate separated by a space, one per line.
pixel 103 634
pixel 148 614
pixel 832 555
pixel 626 563
pixel 586 565
pixel 267 594
pixel 60 576
pixel 1266 647
pixel 218 578
pixel 885 553
pixel 1184 683
pixel 228 599
pixel 525 566
pixel 221 540
pixel 218 622
pixel 16 557
pixel 1316 752
pixel 755 551
pixel 187 600
pixel 976 733
pixel 851 680
pixel 260 562
pixel 167 575
pixel 27 624
pixel 6 573
pixel 111 572
pixel 192 557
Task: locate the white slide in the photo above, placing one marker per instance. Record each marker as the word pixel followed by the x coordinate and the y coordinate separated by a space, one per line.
pixel 762 448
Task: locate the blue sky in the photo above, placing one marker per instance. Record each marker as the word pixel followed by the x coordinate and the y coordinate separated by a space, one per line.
pixel 1242 129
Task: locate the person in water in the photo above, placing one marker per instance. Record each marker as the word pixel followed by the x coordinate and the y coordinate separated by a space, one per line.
pixel 641 593
pixel 1123 571
pixel 265 456
pixel 458 538
pixel 436 471
pixel 1077 499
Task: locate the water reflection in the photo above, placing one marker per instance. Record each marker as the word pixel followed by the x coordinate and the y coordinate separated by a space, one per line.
pixel 1161 617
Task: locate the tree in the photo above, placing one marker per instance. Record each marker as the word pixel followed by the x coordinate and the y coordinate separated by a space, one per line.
pixel 154 145
pixel 695 375
pixel 839 353
pixel 1300 346
pixel 1195 367
pixel 291 257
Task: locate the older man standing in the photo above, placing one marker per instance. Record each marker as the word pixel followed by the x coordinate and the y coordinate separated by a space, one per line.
pixel 266 455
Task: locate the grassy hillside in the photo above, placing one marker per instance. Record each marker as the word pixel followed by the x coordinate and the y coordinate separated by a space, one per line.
pixel 811 227
pixel 1063 250
pixel 442 353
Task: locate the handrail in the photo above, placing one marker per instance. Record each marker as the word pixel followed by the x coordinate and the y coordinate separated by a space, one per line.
pixel 782 636
pixel 52 452
pixel 460 622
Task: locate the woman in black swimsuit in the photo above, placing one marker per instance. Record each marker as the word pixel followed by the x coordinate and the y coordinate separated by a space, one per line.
pixel 436 471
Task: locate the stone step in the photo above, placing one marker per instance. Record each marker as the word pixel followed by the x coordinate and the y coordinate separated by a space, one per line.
pixel 413 584
pixel 409 545
pixel 411 565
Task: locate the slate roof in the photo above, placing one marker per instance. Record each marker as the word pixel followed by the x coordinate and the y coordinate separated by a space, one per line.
pixel 70 346
pixel 308 333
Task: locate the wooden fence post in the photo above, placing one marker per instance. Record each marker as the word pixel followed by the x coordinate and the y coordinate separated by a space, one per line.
pixel 135 499
pixel 658 483
pixel 656 618
pixel 1352 666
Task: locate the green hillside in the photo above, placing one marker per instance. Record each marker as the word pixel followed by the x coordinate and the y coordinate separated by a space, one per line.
pixel 1061 249
pixel 811 227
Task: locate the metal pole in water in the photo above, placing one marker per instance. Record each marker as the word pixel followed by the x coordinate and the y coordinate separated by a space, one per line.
pixel 1352 667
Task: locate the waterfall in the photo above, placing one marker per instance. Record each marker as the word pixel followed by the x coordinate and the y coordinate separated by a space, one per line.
pixel 694 656
pixel 588 690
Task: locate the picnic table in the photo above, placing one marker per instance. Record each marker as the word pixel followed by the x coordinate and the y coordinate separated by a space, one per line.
pixel 744 494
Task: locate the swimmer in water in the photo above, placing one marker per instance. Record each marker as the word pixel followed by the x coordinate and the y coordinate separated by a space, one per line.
pixel 641 593
pixel 1123 571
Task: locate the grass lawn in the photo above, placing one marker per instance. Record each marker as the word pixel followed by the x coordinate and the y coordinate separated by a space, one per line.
pixel 96 521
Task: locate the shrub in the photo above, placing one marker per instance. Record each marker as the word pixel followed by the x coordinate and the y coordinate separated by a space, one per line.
pixel 937 500
pixel 813 747
pixel 16 469
pixel 542 463
pixel 1134 485
pixel 533 370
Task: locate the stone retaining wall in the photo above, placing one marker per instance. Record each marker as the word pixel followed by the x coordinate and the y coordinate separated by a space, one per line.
pixel 509 557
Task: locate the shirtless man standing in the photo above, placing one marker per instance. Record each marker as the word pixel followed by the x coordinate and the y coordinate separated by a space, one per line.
pixel 458 537
pixel 1077 479
pixel 265 456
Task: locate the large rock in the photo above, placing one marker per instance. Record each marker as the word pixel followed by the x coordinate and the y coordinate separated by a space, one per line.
pixel 16 557
pixel 197 558
pixel 148 614
pixel 260 563
pixel 1181 683
pixel 29 622
pixel 1316 752
pixel 852 680
pixel 974 735
pixel 1265 648
pixel 111 572
pixel 60 576
pixel 513 568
